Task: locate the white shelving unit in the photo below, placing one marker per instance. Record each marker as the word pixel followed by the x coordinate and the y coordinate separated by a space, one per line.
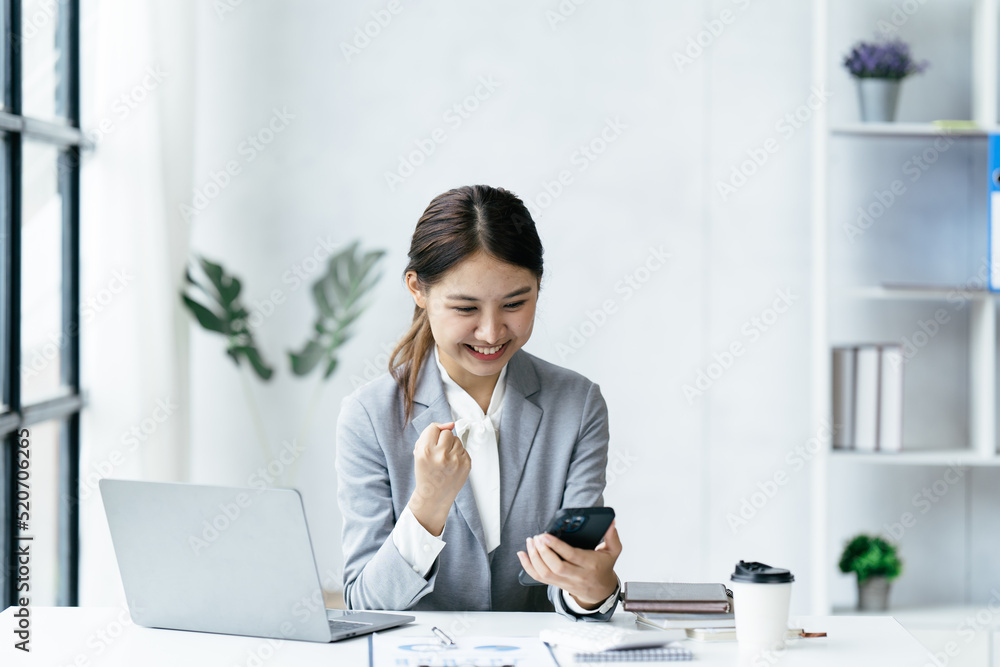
pixel 981 449
pixel 910 130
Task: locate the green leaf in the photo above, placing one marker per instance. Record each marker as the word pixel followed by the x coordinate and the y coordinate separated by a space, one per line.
pixel 230 290
pixel 213 271
pixel 337 295
pixel 870 556
pixel 368 263
pixel 306 360
pixel 320 297
pixel 253 356
pixel 352 262
pixel 206 318
pixel 333 282
pixel 347 320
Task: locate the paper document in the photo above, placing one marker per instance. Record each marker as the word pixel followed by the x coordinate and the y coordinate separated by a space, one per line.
pixel 394 650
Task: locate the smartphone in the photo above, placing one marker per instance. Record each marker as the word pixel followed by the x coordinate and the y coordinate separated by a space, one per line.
pixel 580 527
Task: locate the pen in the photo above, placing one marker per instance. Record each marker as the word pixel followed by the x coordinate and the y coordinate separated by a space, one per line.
pixel 443 636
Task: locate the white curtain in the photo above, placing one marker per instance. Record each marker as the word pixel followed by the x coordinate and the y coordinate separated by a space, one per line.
pixel 136 66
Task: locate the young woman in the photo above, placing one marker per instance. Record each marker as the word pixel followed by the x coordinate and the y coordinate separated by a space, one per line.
pixel 450 466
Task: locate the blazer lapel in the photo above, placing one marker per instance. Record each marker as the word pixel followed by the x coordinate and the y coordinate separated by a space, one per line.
pixel 518 424
pixel 430 394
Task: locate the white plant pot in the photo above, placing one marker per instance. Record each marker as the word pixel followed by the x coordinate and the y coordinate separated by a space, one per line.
pixel 878 98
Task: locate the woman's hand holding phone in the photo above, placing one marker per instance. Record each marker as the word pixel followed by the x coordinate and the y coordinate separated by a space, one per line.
pixel 441 465
pixel 588 575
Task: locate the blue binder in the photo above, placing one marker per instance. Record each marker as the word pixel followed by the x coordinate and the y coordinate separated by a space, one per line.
pixel 993 161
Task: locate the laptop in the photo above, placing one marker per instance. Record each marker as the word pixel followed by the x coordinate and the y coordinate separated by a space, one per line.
pixel 229 560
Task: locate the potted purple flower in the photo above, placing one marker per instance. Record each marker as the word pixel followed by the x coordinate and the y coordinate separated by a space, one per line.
pixel 879 67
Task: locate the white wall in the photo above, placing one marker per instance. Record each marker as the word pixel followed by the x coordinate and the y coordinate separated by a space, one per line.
pixel 681 466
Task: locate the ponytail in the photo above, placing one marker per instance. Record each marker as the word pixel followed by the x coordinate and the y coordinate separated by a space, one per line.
pixel 408 357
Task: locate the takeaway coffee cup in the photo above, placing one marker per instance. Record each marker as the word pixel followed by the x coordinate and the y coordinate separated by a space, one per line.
pixel 761 594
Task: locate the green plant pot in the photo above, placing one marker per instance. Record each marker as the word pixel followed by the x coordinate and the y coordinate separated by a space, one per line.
pixel 873 594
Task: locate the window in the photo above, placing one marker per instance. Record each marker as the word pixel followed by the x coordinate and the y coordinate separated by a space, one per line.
pixel 40 400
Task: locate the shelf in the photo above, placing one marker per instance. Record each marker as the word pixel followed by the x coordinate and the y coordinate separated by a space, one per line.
pixel 936 457
pixel 923 292
pixel 908 130
pixel 831 182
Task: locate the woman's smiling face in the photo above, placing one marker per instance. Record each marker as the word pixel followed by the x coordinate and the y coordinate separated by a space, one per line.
pixel 483 303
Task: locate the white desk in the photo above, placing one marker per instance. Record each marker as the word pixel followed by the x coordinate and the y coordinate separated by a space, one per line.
pixel 85 637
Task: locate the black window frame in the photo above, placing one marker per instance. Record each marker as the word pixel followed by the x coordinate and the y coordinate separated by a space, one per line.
pixel 17 129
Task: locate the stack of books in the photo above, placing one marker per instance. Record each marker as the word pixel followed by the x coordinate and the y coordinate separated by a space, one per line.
pixel 868 398
pixel 668 606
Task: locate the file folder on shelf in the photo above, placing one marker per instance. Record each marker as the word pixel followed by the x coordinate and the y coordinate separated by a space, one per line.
pixel 993 164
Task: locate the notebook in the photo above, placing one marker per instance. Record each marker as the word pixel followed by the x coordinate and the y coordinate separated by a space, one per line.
pixel 676 598
pixel 660 622
pixel 663 654
pixel 584 643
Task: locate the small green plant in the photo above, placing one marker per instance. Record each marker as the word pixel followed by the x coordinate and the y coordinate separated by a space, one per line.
pixel 871 556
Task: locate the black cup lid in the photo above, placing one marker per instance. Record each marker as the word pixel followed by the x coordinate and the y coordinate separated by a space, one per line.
pixel 758 573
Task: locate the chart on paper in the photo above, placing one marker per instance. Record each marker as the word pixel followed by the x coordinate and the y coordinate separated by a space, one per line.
pixel 409 651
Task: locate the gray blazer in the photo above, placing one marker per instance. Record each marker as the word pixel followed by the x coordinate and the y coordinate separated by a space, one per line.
pixel 553 453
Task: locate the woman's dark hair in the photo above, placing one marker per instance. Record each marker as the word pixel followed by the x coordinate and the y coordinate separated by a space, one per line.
pixel 456 225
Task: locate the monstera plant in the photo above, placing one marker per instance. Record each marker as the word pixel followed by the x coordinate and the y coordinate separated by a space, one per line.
pixel 212 295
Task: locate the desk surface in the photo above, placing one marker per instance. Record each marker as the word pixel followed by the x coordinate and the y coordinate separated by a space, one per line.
pixel 99 637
